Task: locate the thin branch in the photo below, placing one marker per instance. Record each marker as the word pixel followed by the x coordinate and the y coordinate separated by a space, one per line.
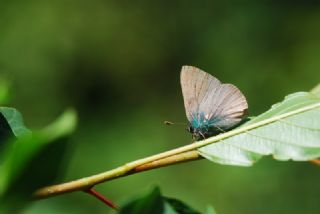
pixel 175 159
pixel 88 182
pixel 101 198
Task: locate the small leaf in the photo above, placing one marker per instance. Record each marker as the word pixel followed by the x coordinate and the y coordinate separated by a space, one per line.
pixel 155 203
pixel 168 209
pixel 150 203
pixel 180 207
pixel 289 130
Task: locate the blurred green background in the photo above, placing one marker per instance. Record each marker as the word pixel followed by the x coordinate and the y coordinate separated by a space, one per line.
pixel 118 64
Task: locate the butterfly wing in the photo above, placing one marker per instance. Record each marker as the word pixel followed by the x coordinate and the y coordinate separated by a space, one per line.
pixel 196 85
pixel 206 99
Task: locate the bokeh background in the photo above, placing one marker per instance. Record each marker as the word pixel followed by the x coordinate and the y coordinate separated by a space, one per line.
pixel 118 64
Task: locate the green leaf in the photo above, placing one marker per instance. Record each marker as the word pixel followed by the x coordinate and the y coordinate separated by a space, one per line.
pixel 15 121
pixel 289 130
pixel 155 203
pixel 180 207
pixel 33 161
pixel 11 127
pixel 5 133
pixel 168 209
pixel 150 203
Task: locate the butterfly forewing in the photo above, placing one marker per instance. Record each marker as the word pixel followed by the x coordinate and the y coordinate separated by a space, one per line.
pixel 222 104
pixel 195 85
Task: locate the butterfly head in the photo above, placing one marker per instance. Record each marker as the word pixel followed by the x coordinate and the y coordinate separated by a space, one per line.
pixel 196 133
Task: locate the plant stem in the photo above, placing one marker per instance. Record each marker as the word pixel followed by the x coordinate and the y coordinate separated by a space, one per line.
pixel 102 198
pixel 133 167
pixel 127 169
pixel 175 159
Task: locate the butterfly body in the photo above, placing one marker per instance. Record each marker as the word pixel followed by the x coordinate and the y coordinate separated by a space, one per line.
pixel 211 107
pixel 203 127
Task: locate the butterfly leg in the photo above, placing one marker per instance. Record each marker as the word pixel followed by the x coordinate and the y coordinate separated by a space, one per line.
pixel 220 129
pixel 202 135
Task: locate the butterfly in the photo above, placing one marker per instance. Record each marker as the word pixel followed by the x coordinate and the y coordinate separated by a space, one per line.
pixel 211 107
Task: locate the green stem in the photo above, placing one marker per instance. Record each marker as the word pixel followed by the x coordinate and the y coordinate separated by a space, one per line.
pixel 127 169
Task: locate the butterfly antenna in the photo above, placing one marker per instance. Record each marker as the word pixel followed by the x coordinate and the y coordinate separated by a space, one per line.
pixel 172 123
pixel 220 129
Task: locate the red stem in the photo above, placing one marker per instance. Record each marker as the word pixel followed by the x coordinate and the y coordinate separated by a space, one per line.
pixel 102 198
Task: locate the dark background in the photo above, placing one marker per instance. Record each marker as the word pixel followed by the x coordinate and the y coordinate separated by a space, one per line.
pixel 118 64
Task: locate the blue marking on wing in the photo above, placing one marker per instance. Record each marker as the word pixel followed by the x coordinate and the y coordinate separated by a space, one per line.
pixel 203 128
pixel 199 122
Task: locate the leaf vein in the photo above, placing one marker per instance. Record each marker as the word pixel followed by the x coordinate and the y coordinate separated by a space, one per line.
pixel 298 126
pixel 281 141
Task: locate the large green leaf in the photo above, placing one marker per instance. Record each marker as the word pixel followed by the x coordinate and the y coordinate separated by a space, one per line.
pixel 32 161
pixel 289 130
pixel 11 127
